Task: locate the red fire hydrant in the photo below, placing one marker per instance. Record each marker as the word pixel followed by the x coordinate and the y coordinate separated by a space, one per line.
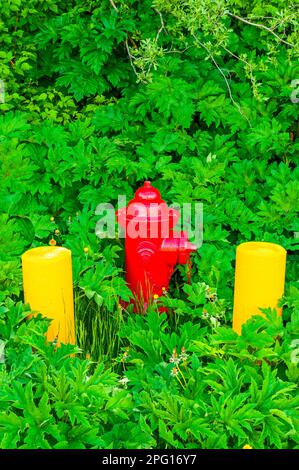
pixel 152 247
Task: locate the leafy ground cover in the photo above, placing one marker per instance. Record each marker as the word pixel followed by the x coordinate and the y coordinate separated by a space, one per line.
pixel 199 97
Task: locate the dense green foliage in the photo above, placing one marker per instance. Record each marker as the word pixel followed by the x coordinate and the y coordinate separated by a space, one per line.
pixel 98 97
pixel 190 388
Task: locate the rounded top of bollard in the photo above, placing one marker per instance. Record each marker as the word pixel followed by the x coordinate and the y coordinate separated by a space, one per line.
pixel 46 253
pixel 261 248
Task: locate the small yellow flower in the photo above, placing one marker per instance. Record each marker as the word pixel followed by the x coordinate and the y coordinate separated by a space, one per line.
pixel 52 242
pixel 247 446
pixel 163 289
pixel 174 358
pixel 52 218
pixel 125 355
pixel 87 356
pixel 156 296
pixel 57 232
pixel 85 249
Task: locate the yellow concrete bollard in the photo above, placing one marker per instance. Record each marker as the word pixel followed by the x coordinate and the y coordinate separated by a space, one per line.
pixel 48 288
pixel 259 280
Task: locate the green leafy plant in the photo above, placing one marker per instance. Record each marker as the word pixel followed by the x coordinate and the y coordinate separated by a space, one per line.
pixel 200 98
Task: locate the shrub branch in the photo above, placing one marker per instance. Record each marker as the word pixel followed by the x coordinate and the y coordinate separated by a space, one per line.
pixel 260 26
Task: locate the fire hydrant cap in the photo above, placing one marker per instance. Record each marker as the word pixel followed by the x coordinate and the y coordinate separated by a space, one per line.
pixel 147 205
pixel 147 193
